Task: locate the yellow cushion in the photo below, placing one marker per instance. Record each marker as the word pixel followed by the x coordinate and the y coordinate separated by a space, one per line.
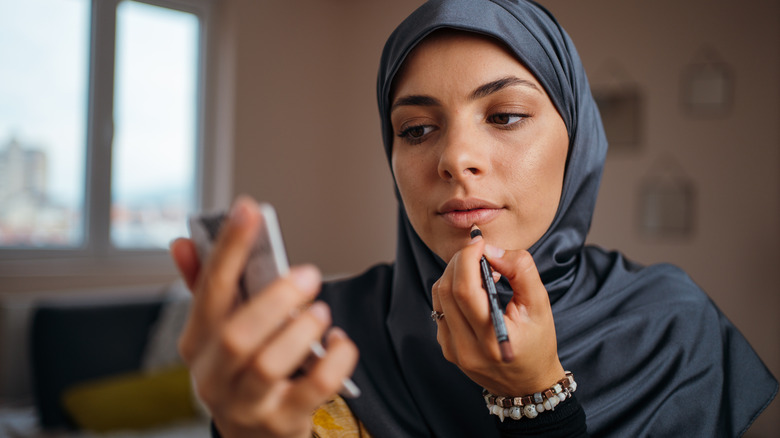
pixel 131 401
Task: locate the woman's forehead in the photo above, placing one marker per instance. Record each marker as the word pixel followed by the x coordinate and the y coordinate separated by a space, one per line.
pixel 466 52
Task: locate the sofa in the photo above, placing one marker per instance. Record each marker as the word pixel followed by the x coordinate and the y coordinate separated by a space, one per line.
pixel 107 365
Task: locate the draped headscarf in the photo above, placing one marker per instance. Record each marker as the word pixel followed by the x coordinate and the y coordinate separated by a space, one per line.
pixel 652 354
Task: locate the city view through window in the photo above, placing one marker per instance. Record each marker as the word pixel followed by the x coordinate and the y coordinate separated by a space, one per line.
pixel 44 74
pixel 43 108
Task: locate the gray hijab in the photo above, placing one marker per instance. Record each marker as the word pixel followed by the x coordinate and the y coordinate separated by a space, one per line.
pixel 652 354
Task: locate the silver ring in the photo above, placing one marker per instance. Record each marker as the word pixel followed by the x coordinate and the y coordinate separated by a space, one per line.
pixel 435 316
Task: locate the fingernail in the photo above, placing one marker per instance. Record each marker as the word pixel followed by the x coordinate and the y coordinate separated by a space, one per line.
pixel 239 213
pixel 337 333
pixel 306 277
pixel 320 311
pixel 494 251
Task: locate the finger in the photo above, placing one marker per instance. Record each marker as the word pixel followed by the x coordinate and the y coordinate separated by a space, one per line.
pixel 219 277
pixel 520 270
pixel 267 379
pixel 475 304
pixel 435 301
pixel 253 325
pixel 185 257
pixel 293 400
pixel 443 335
pixel 325 377
pixel 290 348
pixel 459 287
pixel 469 291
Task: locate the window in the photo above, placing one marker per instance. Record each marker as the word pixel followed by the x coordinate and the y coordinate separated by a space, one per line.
pixel 44 72
pixel 101 116
pixel 153 185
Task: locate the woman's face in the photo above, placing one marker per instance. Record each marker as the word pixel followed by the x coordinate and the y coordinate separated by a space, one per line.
pixel 477 141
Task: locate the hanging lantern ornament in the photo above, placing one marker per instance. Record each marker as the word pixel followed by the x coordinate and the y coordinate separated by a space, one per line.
pixel 667 201
pixel 707 86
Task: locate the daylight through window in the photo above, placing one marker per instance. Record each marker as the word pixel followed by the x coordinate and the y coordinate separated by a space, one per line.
pixel 90 167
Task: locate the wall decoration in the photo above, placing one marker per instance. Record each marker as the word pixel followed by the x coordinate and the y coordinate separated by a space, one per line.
pixel 620 103
pixel 667 201
pixel 707 86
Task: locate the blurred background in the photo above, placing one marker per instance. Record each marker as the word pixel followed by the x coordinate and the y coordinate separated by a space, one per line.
pixel 276 99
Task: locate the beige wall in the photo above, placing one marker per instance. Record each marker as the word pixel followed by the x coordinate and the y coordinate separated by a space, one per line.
pixel 306 128
pixel 295 111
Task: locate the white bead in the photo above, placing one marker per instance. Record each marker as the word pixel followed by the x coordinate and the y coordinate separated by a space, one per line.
pixel 573 386
pixel 554 400
pixel 490 408
pixel 547 405
pixel 515 413
pixel 530 411
pixel 562 396
pixel 539 408
pixel 501 415
pixel 496 409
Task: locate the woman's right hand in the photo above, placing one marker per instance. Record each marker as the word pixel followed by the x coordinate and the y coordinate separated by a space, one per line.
pixel 242 357
pixel 466 334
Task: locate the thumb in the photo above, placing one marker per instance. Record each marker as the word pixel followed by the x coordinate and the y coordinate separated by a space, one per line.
pixel 519 268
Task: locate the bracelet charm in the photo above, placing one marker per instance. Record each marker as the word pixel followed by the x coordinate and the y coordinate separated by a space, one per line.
pixel 530 406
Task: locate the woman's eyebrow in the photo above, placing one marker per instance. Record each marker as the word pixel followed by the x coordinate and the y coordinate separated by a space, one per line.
pixel 479 92
pixel 414 100
pixel 499 84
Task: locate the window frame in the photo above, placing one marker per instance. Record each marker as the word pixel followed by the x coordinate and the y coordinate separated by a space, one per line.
pixel 97 249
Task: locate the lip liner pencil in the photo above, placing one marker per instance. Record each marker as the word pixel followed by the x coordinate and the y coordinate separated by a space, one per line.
pixel 495 310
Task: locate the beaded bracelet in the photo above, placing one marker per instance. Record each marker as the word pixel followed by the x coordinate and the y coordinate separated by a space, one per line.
pixel 530 406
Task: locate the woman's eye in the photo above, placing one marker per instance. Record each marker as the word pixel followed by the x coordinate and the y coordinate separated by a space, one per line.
pixel 505 118
pixel 414 134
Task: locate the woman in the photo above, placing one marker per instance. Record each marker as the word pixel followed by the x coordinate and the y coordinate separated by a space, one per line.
pixel 487 119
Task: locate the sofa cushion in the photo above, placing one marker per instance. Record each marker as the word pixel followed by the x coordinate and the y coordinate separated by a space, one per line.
pixel 74 341
pixel 131 401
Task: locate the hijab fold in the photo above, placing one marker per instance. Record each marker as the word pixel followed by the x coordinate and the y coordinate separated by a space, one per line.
pixel 653 356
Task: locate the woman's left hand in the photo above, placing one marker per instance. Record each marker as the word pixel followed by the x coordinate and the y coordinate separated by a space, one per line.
pixel 466 333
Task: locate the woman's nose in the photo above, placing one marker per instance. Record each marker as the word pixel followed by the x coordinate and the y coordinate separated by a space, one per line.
pixel 461 156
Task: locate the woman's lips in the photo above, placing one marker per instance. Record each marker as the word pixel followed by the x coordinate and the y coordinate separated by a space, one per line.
pixel 465 213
